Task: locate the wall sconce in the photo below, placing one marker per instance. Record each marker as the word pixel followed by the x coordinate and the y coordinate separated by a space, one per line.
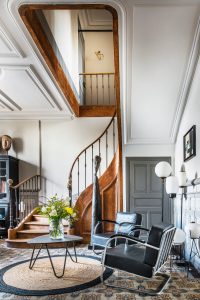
pixel 99 55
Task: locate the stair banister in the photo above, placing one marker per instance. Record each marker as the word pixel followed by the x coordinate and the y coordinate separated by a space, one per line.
pixel 83 152
pixel 25 198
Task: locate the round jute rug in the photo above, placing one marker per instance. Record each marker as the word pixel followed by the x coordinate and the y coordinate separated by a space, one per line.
pixel 20 280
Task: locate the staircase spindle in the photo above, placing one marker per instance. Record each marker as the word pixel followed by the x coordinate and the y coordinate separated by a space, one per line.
pixel 85 170
pixel 92 161
pixel 78 176
pixel 91 87
pixel 103 87
pixel 109 89
pixel 113 136
pixel 106 148
pixel 97 86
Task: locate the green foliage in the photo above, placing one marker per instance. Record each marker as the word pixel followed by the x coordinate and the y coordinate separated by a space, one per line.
pixel 58 208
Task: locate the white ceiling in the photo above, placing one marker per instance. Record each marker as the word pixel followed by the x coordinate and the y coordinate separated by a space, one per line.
pixel 95 19
pixel 159 45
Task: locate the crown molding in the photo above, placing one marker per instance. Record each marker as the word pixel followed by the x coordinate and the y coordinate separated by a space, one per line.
pixel 187 83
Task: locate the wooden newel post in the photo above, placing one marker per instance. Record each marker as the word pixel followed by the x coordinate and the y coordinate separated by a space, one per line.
pixel 10 182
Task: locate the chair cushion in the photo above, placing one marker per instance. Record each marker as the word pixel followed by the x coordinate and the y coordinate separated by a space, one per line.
pixel 154 239
pixel 127 217
pixel 102 238
pixel 129 258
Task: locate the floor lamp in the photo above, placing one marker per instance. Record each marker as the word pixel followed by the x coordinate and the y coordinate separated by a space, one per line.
pixel 163 170
pixel 182 178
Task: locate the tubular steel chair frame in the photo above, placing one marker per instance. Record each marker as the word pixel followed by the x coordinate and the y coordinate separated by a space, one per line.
pixel 135 228
pixel 163 253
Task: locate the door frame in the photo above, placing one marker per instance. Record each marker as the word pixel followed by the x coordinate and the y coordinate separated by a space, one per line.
pixel 144 158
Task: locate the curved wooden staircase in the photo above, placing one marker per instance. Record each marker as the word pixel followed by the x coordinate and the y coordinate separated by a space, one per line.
pixel 29 224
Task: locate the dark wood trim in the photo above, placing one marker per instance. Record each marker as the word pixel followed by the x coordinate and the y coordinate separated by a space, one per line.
pixel 33 25
pixel 118 107
pixel 96 110
pixel 95 30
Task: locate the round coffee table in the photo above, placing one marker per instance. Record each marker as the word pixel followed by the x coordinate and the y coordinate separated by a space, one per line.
pixel 44 241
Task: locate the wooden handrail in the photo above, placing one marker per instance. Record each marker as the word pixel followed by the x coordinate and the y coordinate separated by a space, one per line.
pixel 103 73
pixel 91 144
pixel 23 181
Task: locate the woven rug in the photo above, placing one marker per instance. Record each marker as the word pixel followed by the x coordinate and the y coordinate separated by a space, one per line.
pixel 20 280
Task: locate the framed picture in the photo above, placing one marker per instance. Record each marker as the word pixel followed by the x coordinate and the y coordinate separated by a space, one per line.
pixel 189 144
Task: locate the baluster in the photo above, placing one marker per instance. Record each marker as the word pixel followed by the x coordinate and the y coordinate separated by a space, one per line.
pixel 32 195
pixel 85 169
pixel 92 161
pixel 97 88
pixel 100 155
pixel 78 176
pixel 113 136
pixel 16 206
pixel 106 148
pixel 114 92
pixel 103 87
pixel 109 88
pixel 91 87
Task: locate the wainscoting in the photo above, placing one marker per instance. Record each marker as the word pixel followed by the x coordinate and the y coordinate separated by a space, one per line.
pixel 191 212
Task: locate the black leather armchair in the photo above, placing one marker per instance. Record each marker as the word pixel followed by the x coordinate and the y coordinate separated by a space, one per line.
pixel 141 258
pixel 125 223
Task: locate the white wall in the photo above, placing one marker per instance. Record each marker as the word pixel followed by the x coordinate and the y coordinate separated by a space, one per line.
pixel 191 206
pixel 94 42
pixel 62 140
pixel 64 27
pixel 99 41
pixel 25 145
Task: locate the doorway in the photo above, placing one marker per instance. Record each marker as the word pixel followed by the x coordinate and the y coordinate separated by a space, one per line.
pixel 144 190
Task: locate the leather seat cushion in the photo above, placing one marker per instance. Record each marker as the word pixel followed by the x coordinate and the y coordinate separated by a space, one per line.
pixel 102 238
pixel 129 258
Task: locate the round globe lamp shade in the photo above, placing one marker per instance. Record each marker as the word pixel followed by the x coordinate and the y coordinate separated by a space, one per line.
pixel 172 186
pixel 179 237
pixel 163 169
pixel 194 229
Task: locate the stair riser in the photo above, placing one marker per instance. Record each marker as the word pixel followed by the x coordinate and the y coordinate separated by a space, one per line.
pixel 29 235
pixel 40 219
pixel 38 227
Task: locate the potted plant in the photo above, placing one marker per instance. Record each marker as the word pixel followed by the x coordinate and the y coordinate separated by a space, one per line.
pixel 57 209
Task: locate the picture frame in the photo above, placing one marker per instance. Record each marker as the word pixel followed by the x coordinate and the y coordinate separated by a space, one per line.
pixel 189 144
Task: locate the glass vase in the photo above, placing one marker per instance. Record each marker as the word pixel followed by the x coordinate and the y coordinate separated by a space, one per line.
pixel 56 229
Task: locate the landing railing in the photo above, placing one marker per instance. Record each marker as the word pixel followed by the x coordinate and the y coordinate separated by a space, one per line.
pixel 81 172
pixel 97 88
pixel 23 198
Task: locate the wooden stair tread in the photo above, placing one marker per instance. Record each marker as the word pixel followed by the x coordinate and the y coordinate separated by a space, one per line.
pixel 18 240
pixel 43 223
pixel 38 215
pixel 35 231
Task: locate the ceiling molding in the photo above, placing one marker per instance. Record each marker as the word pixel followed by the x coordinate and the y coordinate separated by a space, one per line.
pixel 31 73
pixel 10 44
pixel 187 83
pixel 89 23
pixel 8 103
